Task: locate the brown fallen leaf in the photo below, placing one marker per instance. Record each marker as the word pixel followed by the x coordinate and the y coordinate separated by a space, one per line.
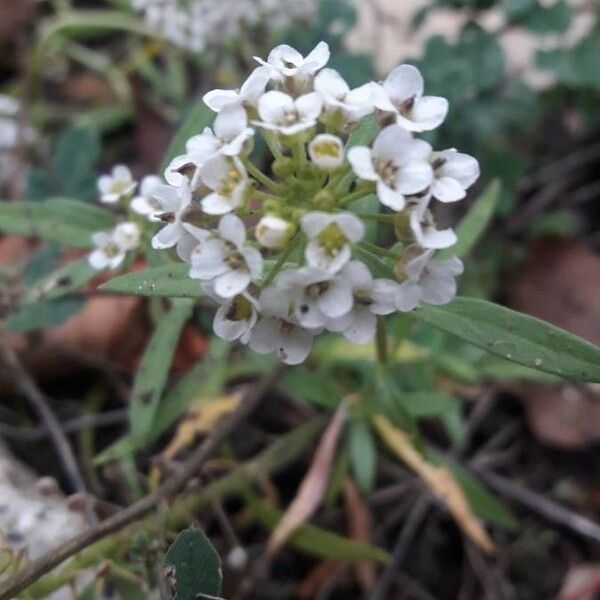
pixel 582 582
pixel 313 486
pixel 202 416
pixel 14 16
pixel 315 579
pixel 439 479
pixel 360 522
pixel 559 284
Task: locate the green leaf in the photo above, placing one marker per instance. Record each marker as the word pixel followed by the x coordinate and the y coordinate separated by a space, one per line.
pixel 364 133
pixel 309 386
pixel 436 404
pixel 576 66
pixel 75 156
pixel 196 566
pixel 547 19
pixel 199 117
pixel 68 222
pixel 516 337
pixel 61 282
pixel 171 281
pixel 474 223
pixel 484 504
pixel 38 315
pixel 88 23
pixel 363 455
pixel 316 541
pixel 498 369
pixel 205 380
pixel 154 368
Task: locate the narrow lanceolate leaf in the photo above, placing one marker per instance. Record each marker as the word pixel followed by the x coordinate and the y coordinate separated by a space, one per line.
pixel 318 542
pixel 68 222
pixel 363 454
pixel 439 479
pixel 194 567
pixel 313 486
pixel 202 382
pixel 475 222
pixel 154 368
pixel 516 337
pixel 63 281
pixel 170 281
pixel 39 315
pixel 199 117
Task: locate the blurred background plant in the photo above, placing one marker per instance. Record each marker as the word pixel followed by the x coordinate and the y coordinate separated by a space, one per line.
pixel 89 84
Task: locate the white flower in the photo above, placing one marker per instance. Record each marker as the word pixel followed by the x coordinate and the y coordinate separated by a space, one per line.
pixel 182 170
pixel 112 246
pixel 225 260
pixel 173 202
pixel 424 228
pixel 326 151
pixel 280 112
pixel 337 95
pixel 402 94
pixel 317 295
pixel 453 174
pixel 331 236
pixel 273 232
pixel 276 330
pixel 248 94
pixel 371 297
pixel 228 179
pixel 429 281
pixel 231 131
pixel 144 203
pixel 117 185
pixel 397 163
pixel 285 61
pixel 235 316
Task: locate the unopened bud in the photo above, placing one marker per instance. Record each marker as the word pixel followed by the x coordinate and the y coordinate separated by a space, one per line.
pixel 273 232
pixel 324 200
pixel 326 151
pixel 283 167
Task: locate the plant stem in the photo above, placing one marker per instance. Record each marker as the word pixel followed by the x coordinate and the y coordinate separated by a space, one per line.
pixel 260 176
pixel 381 344
pixel 390 219
pixel 272 143
pixel 283 256
pixel 379 251
pixel 355 195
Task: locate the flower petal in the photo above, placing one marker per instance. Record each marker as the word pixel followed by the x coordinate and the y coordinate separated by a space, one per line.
pixel 167 237
pixel 361 161
pixel 447 189
pixel 232 229
pixel 403 83
pixel 232 283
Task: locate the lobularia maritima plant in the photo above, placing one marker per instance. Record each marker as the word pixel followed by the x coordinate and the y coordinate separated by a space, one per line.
pixel 225 217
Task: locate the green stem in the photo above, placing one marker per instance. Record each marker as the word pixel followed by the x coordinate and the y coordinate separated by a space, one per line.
pixel 382 344
pixel 283 256
pixel 272 143
pixel 263 196
pixel 377 250
pixel 299 153
pixel 390 219
pixel 352 196
pixel 260 176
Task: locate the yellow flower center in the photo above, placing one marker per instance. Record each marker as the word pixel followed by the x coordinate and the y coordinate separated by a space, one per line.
pixel 240 309
pixel 332 239
pixel 230 183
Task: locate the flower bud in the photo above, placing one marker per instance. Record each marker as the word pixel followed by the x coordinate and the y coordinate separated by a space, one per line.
pixel 326 151
pixel 283 166
pixel 273 232
pixel 324 200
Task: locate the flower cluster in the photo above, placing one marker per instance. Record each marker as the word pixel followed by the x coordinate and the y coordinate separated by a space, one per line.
pixel 198 24
pixel 306 266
